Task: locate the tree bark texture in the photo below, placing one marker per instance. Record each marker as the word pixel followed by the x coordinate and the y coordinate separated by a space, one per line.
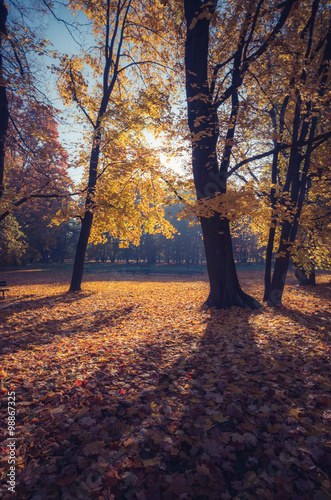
pixel 225 290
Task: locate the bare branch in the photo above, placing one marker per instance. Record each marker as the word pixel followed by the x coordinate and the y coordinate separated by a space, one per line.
pixel 319 138
pixel 76 99
pixel 173 189
pixel 138 63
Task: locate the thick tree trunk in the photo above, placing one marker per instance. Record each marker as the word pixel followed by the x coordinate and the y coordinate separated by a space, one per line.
pixel 303 278
pixel 209 178
pixel 225 290
pixel 3 99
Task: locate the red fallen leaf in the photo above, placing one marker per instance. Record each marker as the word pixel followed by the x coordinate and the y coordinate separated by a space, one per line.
pixel 80 382
pixel 122 391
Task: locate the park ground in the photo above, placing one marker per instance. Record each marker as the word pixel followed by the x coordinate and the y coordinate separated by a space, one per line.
pixel 131 390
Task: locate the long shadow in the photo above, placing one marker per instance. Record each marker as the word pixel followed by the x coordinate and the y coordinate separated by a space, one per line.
pixel 26 336
pixel 322 290
pixel 238 417
pixel 36 277
pixel 319 321
pixel 27 303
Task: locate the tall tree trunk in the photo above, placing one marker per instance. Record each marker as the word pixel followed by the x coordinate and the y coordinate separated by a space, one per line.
pixel 110 73
pixel 296 181
pixel 290 228
pixel 268 260
pixel 209 179
pixel 3 98
pixel 78 269
pixel 273 199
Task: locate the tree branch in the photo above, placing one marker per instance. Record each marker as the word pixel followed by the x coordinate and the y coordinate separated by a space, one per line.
pixel 75 97
pixel 319 138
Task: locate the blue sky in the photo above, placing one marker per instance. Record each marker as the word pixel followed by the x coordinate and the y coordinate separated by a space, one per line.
pixel 67 39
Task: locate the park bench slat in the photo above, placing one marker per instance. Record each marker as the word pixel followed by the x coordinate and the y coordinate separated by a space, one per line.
pixel 3 290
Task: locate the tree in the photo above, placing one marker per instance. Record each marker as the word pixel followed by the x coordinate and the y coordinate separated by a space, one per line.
pixel 12 243
pixel 214 76
pixel 297 119
pixel 32 162
pixel 35 162
pixel 44 241
pixel 128 37
pixel 312 249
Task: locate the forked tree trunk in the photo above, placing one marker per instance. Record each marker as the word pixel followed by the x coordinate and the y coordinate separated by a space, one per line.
pixel 297 175
pixel 209 178
pixel 279 129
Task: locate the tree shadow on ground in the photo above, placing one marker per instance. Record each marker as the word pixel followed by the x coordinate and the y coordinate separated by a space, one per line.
pixel 21 332
pixel 322 290
pixel 29 302
pixel 240 416
pixel 28 277
pixel 319 321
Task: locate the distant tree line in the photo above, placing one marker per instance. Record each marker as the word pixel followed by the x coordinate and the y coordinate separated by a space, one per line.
pixel 32 238
pixel 257 80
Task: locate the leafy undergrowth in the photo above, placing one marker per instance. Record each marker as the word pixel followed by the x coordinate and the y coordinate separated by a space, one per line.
pixel 131 390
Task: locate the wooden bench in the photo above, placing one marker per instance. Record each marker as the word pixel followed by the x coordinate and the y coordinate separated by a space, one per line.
pixel 3 284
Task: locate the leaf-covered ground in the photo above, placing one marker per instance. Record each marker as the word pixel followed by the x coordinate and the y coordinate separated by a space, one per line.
pixel 130 390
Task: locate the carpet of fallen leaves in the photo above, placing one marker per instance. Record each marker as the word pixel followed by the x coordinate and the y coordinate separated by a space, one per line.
pixel 131 390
